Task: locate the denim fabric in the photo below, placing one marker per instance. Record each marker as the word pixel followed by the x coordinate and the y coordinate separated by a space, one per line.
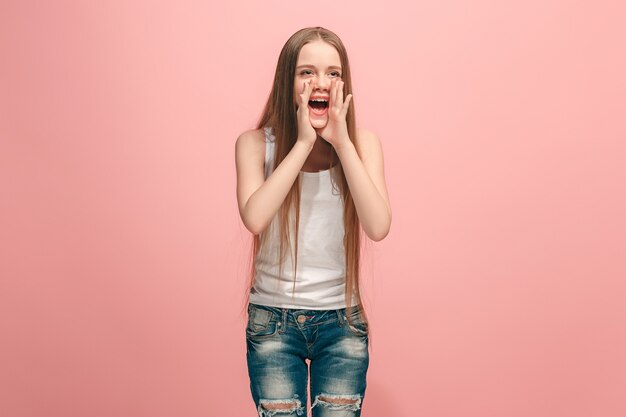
pixel 279 340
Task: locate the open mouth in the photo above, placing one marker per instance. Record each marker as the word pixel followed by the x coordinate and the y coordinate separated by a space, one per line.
pixel 318 106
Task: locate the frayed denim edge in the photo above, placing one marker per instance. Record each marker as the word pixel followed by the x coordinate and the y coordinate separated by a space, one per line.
pixel 334 406
pixel 264 412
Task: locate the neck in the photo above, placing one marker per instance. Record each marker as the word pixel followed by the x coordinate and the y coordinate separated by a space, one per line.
pixel 322 155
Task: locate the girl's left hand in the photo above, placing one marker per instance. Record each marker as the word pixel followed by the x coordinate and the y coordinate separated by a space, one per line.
pixel 336 130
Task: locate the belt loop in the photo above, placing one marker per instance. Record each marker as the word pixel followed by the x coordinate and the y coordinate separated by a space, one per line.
pixel 284 325
pixel 340 317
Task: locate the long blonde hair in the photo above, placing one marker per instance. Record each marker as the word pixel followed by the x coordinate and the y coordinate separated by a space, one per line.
pixel 280 114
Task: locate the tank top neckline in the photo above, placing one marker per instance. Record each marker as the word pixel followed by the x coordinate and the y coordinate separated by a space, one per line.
pixel 324 172
pixel 270 138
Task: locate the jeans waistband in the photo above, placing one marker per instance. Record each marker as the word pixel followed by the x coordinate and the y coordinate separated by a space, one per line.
pixel 307 316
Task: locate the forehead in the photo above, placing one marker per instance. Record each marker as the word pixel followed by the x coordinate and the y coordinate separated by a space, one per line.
pixel 319 53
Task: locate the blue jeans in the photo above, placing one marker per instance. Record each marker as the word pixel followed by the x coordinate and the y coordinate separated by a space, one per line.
pixel 279 340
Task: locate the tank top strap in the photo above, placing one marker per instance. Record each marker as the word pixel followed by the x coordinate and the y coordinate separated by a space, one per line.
pixel 269 151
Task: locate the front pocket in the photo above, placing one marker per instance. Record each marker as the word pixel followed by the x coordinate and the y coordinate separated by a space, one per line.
pixel 358 327
pixel 261 323
pixel 356 324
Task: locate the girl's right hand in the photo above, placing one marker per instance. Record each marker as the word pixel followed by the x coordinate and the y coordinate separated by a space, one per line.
pixel 306 133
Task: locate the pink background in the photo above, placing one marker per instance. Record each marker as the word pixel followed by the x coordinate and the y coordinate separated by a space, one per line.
pixel 498 292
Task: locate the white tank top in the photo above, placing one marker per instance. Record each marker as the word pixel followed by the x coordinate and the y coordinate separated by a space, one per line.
pixel 321 269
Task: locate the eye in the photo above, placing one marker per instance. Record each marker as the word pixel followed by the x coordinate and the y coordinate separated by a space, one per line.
pixel 306 72
pixel 337 74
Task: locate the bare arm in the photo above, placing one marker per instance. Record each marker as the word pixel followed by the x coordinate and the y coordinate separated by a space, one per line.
pixel 366 179
pixel 258 198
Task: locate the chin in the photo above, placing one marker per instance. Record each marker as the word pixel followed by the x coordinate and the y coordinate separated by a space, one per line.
pixel 319 123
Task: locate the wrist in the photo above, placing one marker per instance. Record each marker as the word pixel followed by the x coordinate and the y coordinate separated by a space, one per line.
pixel 307 146
pixel 343 144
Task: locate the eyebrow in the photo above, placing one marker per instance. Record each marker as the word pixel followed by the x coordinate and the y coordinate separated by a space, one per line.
pixel 313 66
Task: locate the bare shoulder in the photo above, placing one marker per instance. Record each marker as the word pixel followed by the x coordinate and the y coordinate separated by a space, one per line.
pixel 371 154
pixel 368 144
pixel 253 138
pixel 249 163
pixel 250 147
pixel 365 134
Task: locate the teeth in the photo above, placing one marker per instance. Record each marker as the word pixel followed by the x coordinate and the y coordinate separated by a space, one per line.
pixel 321 100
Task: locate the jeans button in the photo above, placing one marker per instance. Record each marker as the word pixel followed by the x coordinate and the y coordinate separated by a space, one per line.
pixel 301 319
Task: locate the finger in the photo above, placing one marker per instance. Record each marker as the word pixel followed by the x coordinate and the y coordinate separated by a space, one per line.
pixel 304 96
pixel 308 95
pixel 300 94
pixel 332 94
pixel 340 92
pixel 307 90
pixel 346 104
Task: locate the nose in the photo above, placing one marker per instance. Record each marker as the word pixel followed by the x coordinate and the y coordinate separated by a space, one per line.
pixel 322 82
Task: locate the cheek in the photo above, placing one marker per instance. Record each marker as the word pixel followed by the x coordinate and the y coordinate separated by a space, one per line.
pixel 298 85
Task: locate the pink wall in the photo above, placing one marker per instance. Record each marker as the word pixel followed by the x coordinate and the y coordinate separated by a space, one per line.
pixel 498 292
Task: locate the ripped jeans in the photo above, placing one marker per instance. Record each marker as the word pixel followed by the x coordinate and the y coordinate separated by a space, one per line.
pixel 279 340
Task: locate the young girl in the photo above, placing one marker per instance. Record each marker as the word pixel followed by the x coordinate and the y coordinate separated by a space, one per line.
pixel 308 180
